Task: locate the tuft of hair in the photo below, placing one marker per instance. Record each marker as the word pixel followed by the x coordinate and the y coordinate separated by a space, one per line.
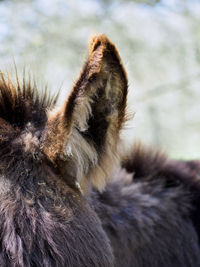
pixel 21 103
pixel 143 161
pixel 150 163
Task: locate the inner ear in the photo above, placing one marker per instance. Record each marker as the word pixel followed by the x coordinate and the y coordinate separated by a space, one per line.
pixel 96 125
pixel 98 98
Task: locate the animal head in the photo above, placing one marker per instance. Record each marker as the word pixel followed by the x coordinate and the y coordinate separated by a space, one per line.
pixel 79 138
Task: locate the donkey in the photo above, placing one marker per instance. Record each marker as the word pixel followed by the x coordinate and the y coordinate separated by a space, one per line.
pixel 50 157
pixel 56 209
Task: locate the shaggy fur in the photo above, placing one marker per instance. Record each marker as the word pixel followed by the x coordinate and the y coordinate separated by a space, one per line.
pixel 150 211
pixel 148 215
pixel 91 118
pixel 45 152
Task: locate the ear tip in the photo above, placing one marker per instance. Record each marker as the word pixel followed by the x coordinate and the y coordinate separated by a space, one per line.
pixel 97 40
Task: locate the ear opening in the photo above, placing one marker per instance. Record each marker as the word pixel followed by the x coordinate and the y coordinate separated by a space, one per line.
pixel 89 123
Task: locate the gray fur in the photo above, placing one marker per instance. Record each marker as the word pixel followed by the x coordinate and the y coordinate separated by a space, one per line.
pixel 148 223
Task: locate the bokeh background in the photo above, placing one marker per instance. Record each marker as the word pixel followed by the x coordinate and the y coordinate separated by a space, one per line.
pixel 159 42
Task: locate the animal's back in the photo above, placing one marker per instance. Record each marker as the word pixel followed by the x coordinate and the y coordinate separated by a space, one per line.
pixel 148 213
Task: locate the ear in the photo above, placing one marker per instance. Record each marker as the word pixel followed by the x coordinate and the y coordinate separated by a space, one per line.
pixel 87 126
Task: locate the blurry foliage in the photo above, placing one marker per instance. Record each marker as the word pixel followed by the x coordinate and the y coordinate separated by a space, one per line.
pixel 159 42
pixel 148 2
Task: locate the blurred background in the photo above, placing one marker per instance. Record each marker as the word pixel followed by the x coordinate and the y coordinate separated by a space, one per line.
pixel 159 42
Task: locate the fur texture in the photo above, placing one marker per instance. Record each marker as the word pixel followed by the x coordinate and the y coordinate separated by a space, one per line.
pixel 147 215
pixel 45 152
pixel 89 122
pixel 150 211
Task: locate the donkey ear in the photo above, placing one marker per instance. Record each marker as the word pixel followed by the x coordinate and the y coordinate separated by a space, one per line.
pixel 95 112
pixel 98 99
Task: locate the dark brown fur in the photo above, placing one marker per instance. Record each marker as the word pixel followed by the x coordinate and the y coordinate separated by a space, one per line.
pixel 147 215
pixel 44 221
pixel 45 153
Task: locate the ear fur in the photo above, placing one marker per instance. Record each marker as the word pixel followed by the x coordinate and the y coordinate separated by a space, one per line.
pixel 86 128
